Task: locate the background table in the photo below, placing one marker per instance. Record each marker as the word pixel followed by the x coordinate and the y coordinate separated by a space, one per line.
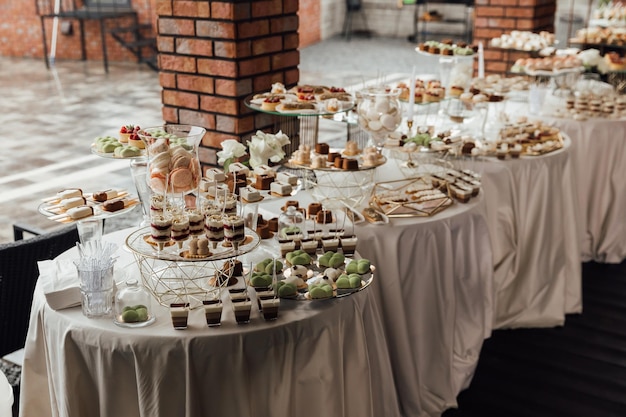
pixel 599 167
pixel 531 209
pixel 319 358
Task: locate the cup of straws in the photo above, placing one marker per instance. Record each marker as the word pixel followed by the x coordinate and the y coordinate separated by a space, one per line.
pixel 95 274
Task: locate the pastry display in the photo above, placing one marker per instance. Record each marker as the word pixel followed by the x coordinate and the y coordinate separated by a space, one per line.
pixel 548 65
pixel 447 47
pixel 173 167
pixel 304 98
pixel 525 41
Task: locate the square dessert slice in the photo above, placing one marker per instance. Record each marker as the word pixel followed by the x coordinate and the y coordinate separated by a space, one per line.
pixel 287 178
pixel 238 168
pixel 281 189
pixel 250 194
pixel 215 175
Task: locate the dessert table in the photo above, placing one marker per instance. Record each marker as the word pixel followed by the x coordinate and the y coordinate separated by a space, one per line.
pixel 534 226
pixel 319 358
pixel 434 293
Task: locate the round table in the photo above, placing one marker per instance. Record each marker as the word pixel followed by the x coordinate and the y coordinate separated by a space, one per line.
pixel 319 358
pixel 533 222
pixel 434 292
pixel 599 168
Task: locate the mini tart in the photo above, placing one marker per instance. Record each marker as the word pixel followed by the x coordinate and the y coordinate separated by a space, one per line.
pixel 270 103
pixel 134 140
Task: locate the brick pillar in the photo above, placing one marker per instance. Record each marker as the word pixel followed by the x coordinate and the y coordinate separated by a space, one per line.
pixel 212 54
pixel 495 17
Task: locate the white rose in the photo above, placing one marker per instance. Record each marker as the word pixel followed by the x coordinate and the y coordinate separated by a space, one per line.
pixel 231 149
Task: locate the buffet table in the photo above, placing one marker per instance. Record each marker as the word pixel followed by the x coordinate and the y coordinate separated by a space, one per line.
pixel 533 221
pixel 434 291
pixel 319 358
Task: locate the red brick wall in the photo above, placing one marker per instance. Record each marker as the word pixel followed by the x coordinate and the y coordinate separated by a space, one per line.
pixel 20 33
pixel 211 60
pixel 495 17
pixel 310 26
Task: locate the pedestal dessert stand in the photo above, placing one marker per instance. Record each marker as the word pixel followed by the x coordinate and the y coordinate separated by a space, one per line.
pixel 171 276
pixel 302 126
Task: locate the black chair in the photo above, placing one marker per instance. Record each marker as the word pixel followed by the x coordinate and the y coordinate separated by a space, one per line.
pixel 352 7
pixel 18 276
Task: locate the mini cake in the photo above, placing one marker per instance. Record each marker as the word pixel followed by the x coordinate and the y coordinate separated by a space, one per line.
pixel 318 162
pixel 270 103
pixel 135 140
pixel 352 149
pixel 250 194
pixel 215 175
pixel 332 156
pixel 238 168
pixel 350 164
pixel 235 183
pixel 313 209
pixel 322 148
pixel 272 224
pixel 287 178
pixel 462 194
pixel 338 162
pixel 281 189
pixel 456 91
pixel 263 182
pixel 324 216
pixel 264 170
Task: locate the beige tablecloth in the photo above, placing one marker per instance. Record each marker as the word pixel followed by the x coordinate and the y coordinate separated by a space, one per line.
pixel 599 167
pixel 319 358
pixel 531 210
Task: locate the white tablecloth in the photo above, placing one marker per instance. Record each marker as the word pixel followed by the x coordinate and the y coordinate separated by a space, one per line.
pixel 531 209
pixel 318 358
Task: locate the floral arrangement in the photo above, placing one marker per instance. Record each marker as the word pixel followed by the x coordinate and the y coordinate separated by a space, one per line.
pixel 265 146
pixel 231 150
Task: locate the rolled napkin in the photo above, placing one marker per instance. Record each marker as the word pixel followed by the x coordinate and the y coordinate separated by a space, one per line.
pixel 59 281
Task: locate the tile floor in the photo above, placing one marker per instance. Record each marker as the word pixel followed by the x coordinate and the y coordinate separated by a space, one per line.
pixel 50 118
